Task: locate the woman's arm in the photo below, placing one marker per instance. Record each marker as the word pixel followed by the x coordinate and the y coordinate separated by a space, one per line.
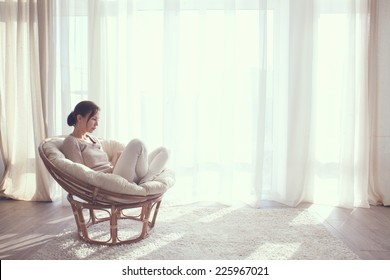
pixel 72 150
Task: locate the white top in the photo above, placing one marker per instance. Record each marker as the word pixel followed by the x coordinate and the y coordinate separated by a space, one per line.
pixel 90 154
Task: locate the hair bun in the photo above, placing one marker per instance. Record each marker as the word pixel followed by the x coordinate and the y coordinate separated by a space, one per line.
pixel 71 119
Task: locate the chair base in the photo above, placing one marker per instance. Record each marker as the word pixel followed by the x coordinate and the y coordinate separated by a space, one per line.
pixel 87 211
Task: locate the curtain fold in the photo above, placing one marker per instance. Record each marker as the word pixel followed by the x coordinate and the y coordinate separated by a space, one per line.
pixel 300 98
pixel 26 73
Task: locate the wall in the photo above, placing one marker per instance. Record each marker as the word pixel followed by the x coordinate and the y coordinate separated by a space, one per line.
pixel 381 125
pixel 1 167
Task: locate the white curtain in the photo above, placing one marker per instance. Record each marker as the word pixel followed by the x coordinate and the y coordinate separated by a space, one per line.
pixel 255 99
pixel 25 83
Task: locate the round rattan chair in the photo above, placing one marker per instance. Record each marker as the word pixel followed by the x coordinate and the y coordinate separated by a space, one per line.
pixel 98 197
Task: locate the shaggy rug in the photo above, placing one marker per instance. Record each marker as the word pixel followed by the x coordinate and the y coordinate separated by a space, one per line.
pixel 213 233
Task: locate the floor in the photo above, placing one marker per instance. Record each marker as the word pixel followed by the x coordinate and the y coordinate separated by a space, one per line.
pixel 27 226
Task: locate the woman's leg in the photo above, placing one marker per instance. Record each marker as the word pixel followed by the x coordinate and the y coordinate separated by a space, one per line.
pixel 156 161
pixel 132 163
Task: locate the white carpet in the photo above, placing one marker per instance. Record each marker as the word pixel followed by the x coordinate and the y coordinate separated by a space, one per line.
pixel 213 233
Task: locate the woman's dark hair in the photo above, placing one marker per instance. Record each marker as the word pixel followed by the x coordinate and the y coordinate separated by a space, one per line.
pixel 84 108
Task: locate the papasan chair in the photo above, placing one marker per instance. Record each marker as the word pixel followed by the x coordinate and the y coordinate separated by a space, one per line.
pixel 98 197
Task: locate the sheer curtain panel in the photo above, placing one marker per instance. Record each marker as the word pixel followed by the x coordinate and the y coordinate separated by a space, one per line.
pixel 255 99
pixel 25 84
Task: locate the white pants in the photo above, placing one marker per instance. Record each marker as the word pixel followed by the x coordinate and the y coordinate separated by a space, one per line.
pixel 135 165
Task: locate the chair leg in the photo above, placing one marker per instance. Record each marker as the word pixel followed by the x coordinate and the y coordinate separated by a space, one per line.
pixel 92 216
pixel 146 209
pixel 79 218
pixel 157 207
pixel 114 224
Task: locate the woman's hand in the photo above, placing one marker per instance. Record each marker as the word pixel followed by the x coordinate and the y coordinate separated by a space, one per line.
pixel 116 157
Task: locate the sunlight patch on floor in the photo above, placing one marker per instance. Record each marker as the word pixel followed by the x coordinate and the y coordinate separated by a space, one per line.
pixel 218 214
pixel 302 219
pixel 12 241
pixel 57 221
pixel 282 250
pixel 321 212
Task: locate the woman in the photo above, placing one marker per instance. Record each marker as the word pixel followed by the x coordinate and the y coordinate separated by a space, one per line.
pixel 133 164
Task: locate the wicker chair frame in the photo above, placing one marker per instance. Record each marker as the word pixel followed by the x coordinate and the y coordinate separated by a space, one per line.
pixel 87 200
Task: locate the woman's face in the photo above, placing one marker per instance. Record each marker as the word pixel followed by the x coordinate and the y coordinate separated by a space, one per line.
pixel 91 124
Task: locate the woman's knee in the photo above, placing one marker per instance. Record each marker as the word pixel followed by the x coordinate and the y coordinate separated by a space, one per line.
pixel 162 151
pixel 166 152
pixel 137 144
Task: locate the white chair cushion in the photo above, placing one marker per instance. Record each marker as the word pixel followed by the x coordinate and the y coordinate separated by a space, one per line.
pixel 107 181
